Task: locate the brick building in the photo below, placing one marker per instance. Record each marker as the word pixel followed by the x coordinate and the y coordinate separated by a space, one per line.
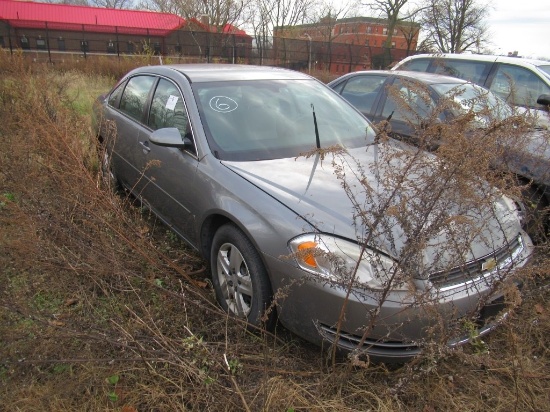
pixel 355 43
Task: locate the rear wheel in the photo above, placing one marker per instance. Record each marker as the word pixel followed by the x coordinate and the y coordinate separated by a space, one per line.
pixel 240 278
pixel 108 177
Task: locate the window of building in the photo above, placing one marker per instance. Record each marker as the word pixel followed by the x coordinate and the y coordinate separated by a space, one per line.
pixel 135 96
pixel 385 30
pixel 393 44
pixel 369 29
pixel 111 47
pixel 367 42
pixel 84 45
pixel 25 43
pixel 40 43
pixel 130 47
pixel 61 44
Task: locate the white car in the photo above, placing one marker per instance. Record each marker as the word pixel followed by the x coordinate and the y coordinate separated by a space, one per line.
pixel 523 83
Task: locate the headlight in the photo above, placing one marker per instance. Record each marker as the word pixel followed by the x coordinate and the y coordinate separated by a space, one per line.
pixel 517 208
pixel 343 261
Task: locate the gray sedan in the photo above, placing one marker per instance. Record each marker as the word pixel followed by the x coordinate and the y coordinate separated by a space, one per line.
pixel 273 178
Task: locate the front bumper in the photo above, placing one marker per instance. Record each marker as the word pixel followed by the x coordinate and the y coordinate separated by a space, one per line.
pixel 393 328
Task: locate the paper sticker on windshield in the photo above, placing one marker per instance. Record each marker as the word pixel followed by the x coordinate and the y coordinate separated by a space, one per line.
pixel 171 103
pixel 223 104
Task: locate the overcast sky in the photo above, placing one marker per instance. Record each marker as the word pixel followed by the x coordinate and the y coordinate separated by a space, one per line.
pixel 514 25
pixel 522 25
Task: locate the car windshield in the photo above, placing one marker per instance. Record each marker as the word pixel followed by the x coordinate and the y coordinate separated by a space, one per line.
pixel 270 119
pixel 475 98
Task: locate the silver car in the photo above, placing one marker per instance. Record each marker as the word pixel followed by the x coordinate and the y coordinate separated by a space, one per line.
pixel 281 185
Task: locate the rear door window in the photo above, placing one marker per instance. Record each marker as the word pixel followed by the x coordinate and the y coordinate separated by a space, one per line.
pixel 115 95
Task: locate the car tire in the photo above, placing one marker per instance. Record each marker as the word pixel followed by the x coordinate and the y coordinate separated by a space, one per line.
pixel 240 279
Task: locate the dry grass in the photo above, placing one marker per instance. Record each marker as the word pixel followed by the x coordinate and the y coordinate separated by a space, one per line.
pixel 102 309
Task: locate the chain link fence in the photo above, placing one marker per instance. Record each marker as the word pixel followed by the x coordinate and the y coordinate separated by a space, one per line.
pixel 55 41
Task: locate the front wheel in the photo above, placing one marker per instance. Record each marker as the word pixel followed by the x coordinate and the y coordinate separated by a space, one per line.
pixel 240 278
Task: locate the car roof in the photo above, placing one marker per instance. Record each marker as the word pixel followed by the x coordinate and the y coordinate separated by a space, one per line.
pixel 424 77
pixel 197 73
pixel 482 57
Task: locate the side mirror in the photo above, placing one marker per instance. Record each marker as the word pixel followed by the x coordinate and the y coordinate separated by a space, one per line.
pixel 170 137
pixel 544 99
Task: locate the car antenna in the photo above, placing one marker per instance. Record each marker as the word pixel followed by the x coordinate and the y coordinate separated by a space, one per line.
pixel 318 141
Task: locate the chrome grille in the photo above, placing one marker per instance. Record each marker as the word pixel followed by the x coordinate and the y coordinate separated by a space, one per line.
pixel 503 257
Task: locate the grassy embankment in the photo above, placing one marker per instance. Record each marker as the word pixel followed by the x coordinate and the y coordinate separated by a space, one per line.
pixel 102 309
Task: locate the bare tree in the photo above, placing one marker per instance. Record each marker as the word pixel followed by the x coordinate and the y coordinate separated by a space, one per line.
pixel 218 13
pixel 410 29
pixel 395 13
pixel 163 6
pixel 285 13
pixel 112 4
pixel 329 15
pixel 455 26
pixel 392 10
pixel 266 16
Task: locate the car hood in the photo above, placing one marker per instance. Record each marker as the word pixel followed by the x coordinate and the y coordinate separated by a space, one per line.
pixel 310 187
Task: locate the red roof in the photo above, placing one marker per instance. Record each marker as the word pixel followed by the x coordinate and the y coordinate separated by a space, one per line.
pixel 29 14
pixel 67 17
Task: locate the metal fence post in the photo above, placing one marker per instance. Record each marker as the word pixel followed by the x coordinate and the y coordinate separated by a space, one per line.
pixel 9 39
pixel 48 42
pixel 117 44
pixel 83 43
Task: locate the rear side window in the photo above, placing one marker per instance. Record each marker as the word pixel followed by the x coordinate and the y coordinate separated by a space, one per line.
pixel 135 96
pixel 518 86
pixel 545 69
pixel 470 70
pixel 416 65
pixel 113 98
